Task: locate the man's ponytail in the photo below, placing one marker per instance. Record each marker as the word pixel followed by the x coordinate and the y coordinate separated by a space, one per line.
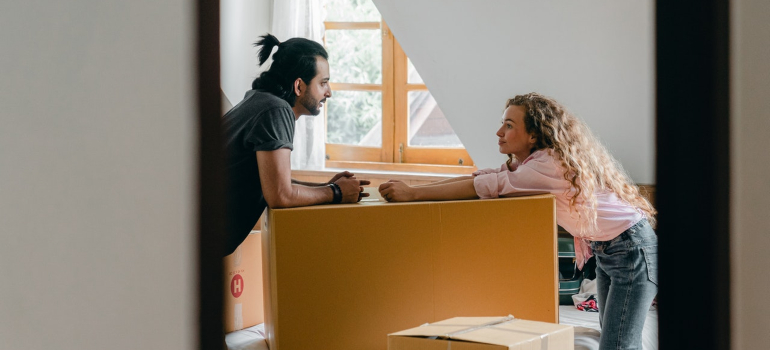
pixel 268 41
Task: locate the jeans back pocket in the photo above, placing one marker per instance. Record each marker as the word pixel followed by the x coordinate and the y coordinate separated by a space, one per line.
pixel 651 260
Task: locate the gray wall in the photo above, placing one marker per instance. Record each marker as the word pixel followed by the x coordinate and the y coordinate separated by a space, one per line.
pixel 750 191
pixel 595 57
pixel 97 169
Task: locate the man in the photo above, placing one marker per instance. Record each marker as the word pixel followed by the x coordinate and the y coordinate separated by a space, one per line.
pixel 259 132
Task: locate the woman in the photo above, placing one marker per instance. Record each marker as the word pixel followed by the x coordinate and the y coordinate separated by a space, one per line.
pixel 550 150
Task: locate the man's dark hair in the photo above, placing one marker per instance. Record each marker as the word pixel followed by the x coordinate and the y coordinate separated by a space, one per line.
pixel 295 58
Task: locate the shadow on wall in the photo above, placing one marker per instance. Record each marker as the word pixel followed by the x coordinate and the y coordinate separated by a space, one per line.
pixel 226 105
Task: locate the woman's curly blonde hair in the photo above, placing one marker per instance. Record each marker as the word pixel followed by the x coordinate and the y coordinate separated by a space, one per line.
pixel 589 167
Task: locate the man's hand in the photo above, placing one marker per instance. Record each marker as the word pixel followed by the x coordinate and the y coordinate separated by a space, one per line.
pixel 397 191
pixel 340 175
pixel 352 188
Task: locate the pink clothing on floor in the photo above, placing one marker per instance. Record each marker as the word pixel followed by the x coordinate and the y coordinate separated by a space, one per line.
pixel 541 172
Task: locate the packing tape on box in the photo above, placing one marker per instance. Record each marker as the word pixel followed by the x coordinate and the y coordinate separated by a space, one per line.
pixel 508 319
pixel 472 328
pixel 543 336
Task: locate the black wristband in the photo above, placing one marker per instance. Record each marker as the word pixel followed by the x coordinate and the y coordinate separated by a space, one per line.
pixel 337 193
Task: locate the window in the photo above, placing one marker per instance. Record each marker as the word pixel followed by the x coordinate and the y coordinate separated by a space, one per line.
pixel 381 115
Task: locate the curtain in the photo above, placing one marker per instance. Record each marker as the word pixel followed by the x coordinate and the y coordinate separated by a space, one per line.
pixel 303 18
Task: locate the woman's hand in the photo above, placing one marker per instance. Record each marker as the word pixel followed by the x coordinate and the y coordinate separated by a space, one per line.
pixel 398 191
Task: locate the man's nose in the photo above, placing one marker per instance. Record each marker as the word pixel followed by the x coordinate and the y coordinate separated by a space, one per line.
pixel 328 93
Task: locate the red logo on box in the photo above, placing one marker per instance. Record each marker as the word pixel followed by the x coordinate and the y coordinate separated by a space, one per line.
pixel 236 285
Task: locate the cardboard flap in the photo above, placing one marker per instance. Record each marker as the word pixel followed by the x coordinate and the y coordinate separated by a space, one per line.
pixel 532 327
pixel 517 332
pixel 502 337
pixel 503 331
pixel 455 328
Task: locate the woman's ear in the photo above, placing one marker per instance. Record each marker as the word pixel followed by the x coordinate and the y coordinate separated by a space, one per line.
pixel 298 86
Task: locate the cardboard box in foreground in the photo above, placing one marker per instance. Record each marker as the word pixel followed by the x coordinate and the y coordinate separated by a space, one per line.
pixel 484 333
pixel 343 277
pixel 243 304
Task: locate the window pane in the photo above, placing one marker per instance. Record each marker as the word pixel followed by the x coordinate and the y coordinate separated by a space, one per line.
pixel 414 77
pixel 351 11
pixel 427 124
pixel 354 118
pixel 355 56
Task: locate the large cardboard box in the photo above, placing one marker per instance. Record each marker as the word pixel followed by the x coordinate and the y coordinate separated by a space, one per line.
pixel 345 276
pixel 484 333
pixel 243 305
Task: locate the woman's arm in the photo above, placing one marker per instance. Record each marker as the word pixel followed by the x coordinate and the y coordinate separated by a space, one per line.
pixel 443 182
pixel 397 191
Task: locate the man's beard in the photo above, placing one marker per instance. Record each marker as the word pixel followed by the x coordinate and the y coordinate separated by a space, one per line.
pixel 311 104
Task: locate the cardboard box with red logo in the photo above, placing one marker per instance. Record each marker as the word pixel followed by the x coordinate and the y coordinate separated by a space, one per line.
pixel 243 306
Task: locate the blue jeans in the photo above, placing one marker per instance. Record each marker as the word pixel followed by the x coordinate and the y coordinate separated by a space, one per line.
pixel 627 282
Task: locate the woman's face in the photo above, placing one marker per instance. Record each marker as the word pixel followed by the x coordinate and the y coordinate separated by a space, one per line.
pixel 512 135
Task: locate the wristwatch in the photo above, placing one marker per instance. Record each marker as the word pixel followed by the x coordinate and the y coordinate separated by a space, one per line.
pixel 337 193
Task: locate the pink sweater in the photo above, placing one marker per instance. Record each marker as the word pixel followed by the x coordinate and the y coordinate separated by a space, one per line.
pixel 541 172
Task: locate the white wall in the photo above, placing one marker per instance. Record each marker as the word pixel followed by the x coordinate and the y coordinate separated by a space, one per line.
pixel 750 189
pixel 97 170
pixel 242 22
pixel 605 76
pixel 596 57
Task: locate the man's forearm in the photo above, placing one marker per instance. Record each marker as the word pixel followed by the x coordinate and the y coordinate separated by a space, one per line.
pixel 301 195
pixel 309 184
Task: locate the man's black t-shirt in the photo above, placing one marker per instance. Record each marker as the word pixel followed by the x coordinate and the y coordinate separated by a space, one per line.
pixel 261 122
